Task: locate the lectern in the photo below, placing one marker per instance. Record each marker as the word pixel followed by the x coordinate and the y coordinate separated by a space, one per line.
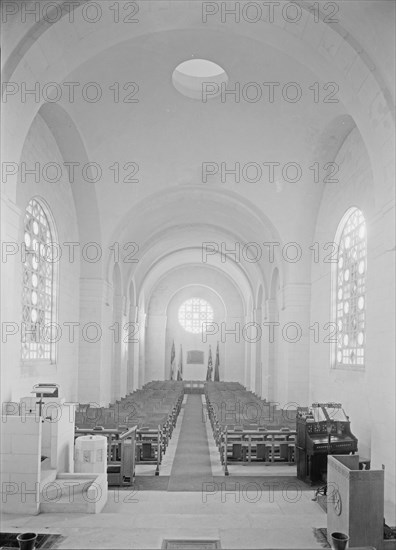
pixel 45 390
pixel 355 501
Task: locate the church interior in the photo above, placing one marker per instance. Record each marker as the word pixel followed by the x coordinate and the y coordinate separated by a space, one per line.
pixel 198 277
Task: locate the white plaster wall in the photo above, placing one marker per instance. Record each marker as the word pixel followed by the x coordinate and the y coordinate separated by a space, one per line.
pixel 163 326
pixel 368 395
pixel 40 147
pixel 20 464
pixel 190 341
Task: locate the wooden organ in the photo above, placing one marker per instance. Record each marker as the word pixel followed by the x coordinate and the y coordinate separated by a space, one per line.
pixel 322 430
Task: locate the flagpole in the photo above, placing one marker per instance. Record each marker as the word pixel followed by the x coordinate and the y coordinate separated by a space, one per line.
pixel 217 364
pixel 180 369
pixel 210 366
pixel 172 366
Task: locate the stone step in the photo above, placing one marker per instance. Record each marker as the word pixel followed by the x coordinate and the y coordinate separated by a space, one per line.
pixel 66 495
pixel 64 506
pixel 75 493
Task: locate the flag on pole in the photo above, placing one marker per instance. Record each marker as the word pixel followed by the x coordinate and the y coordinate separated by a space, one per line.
pixel 180 370
pixel 173 365
pixel 217 364
pixel 210 366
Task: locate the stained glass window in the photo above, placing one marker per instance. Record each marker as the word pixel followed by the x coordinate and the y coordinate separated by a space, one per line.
pixel 194 313
pixel 38 302
pixel 350 290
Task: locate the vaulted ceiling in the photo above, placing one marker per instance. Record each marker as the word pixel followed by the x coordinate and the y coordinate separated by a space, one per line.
pixel 169 137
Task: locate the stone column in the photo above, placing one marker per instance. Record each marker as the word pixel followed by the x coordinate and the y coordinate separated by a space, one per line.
pixel 142 316
pixel 270 354
pixel 294 335
pixel 94 374
pixel 259 345
pixel 155 352
pixel 233 360
pixel 119 336
pixel 133 342
pixel 248 355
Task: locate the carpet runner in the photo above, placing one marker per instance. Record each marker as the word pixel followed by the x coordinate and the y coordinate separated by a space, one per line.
pixel 191 466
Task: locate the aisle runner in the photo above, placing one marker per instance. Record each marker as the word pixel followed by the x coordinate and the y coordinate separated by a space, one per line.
pixel 191 466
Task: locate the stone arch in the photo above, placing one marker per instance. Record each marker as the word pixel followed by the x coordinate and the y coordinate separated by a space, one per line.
pixel 365 92
pixel 189 230
pixel 71 146
pixel 183 280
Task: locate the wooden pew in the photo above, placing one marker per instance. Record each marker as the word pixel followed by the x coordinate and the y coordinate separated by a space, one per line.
pixel 266 445
pixel 149 446
pixel 152 411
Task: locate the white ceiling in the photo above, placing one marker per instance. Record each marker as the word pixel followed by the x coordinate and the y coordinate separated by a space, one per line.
pixel 169 136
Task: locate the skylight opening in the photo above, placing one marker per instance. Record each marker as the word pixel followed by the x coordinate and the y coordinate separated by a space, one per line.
pixel 192 77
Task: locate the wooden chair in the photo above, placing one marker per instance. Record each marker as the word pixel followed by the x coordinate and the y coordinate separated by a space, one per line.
pixel 263 451
pixel 236 451
pixel 262 447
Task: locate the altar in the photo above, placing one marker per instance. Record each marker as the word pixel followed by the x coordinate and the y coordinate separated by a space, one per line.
pixel 195 371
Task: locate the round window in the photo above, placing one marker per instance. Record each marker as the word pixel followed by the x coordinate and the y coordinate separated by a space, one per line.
pixel 194 314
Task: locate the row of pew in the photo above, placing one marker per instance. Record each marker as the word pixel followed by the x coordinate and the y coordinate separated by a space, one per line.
pixel 138 427
pixel 247 428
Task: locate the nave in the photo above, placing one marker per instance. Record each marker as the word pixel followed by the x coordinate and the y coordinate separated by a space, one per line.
pixel 198 203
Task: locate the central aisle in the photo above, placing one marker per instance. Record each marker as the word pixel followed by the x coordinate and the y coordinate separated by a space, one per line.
pixel 191 465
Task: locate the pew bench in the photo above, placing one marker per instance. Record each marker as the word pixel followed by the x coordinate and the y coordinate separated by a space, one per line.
pixel 269 446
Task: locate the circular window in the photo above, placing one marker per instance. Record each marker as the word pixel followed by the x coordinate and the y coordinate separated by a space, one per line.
pixel 199 79
pixel 194 313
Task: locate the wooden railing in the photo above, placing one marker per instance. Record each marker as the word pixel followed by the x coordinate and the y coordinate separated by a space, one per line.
pixel 265 445
pixel 150 445
pixel 150 419
pixel 270 443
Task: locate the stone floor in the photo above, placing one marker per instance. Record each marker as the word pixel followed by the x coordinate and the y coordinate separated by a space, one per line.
pixel 243 519
pixel 239 519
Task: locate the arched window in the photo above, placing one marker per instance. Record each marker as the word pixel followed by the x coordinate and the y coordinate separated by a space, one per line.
pixel 349 290
pixel 195 313
pixel 38 286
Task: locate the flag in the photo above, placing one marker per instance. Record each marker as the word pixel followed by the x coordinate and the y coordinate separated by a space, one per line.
pixel 210 366
pixel 180 370
pixel 173 366
pixel 217 364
